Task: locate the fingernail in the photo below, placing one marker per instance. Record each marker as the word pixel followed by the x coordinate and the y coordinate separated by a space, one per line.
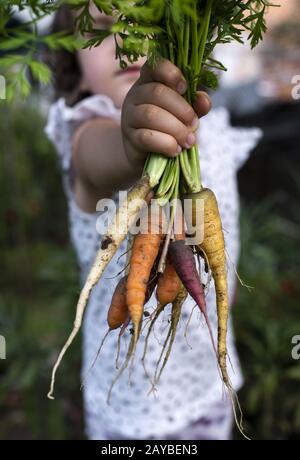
pixel 179 149
pixel 190 140
pixel 204 95
pixel 195 123
pixel 181 87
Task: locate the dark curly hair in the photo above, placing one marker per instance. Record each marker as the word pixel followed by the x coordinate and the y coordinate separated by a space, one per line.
pixel 64 64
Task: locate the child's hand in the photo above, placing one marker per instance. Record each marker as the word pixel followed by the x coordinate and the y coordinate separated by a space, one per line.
pixel 155 116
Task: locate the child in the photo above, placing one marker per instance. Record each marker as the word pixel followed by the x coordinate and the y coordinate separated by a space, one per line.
pixel 103 124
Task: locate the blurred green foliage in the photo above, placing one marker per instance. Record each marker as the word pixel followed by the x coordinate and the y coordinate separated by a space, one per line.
pixel 267 318
pixel 39 288
pixel 38 284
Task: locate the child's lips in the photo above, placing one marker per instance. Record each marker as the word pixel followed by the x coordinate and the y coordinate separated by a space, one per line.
pixel 129 71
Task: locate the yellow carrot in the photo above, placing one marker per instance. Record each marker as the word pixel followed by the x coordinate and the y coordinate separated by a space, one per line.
pixel 213 250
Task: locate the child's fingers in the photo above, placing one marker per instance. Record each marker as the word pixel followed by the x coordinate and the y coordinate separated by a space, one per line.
pixel 147 140
pixel 154 118
pixel 202 104
pixel 166 98
pixel 164 72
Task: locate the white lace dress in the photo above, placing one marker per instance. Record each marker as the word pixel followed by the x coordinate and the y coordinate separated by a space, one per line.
pixel 189 403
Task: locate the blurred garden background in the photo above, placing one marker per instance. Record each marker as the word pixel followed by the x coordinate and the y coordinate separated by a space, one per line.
pixel 39 279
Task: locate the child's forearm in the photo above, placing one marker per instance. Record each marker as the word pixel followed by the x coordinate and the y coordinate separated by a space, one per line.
pixel 100 162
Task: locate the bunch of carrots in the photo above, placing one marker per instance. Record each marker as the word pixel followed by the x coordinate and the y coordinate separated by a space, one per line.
pixel 163 260
pixel 186 33
pixel 166 262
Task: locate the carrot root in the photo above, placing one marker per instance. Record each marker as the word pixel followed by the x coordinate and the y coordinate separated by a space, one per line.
pixel 175 317
pixel 158 311
pixel 129 355
pixel 95 359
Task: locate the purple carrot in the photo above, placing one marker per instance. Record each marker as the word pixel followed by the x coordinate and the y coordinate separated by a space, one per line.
pixel 183 260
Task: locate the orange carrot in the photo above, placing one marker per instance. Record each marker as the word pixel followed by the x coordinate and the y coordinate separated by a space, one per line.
pixel 118 311
pixel 168 284
pixel 117 316
pixel 145 249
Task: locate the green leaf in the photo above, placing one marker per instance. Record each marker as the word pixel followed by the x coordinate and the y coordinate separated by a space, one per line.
pixel 123 26
pixel 24 85
pixel 151 11
pixel 208 79
pixel 12 43
pixel 100 35
pixel 71 43
pixel 62 40
pixel 104 6
pixel 11 60
pixel 40 71
pixel 178 8
pixel 10 91
pixel 151 28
